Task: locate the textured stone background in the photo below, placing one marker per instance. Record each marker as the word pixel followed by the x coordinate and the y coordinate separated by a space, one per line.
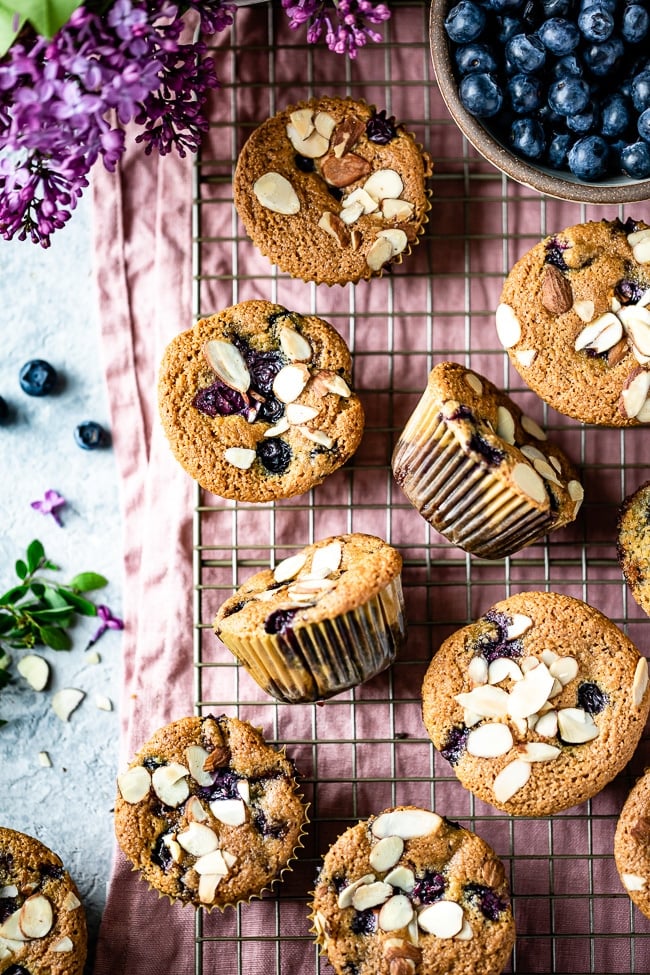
pixel 48 310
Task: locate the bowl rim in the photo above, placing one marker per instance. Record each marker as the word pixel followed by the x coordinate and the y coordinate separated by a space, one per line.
pixel 537 178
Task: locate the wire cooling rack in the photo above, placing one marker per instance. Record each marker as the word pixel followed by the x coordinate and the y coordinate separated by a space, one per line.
pixel 367 749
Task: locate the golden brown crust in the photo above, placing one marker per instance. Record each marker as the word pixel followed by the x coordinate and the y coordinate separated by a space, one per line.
pixel 633 544
pixel 632 844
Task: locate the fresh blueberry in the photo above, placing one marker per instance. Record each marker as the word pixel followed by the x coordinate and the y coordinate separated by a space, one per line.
pixel 615 115
pixel 643 125
pixel 381 129
pixel 90 435
pixel 640 90
pixel 525 93
pixel 526 52
pixel 602 59
pixel 364 922
pixel 567 67
pixel 304 164
pixel 37 378
pixel 274 454
pixel 559 36
pixel 527 138
pixel 591 699
pixel 507 27
pixel 428 888
pixel 558 151
pixel 481 95
pixel 584 122
pixel 635 160
pixel 570 96
pixel 556 8
pixel 280 620
pixel 596 22
pixel 486 899
pixel 474 57
pixel 465 22
pixel 454 746
pixel 635 23
pixel 589 157
pixel 500 6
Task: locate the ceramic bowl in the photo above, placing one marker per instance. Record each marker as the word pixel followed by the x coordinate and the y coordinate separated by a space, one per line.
pixel 559 184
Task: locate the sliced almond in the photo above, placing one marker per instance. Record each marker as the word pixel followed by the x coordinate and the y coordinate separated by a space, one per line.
pixel 360 197
pixel 511 779
pixel 576 726
pixel 397 209
pixel 537 751
pixel 64 945
pixel 396 238
pixel 294 345
pixel 336 384
pixel 290 382
pixel 471 718
pixel 309 585
pixel 505 425
pixel 528 695
pixel 44 760
pixel 504 668
pixel 195 756
pixel 371 895
pixel 65 701
pixel 70 902
pixel 384 184
pixel 303 121
pixel 640 682
pixel 345 896
pixel 546 725
pixel 641 251
pixel 10 929
pixel 103 703
pixel 278 429
pixel 36 916
pixel 35 670
pixel 335 227
pixel 529 663
pixel 198 839
pixel 230 812
pixel 477 671
pixel 488 701
pixel 195 811
pixel 565 669
pixel 299 413
pixel 211 863
pixel 344 170
pixel 244 790
pixel 529 481
pixel 228 363
pixel 326 560
pixel 444 919
pixel 406 823
pixel 466 933
pixel 508 327
pixel 324 124
pixel 601 334
pixel 170 785
pixel 532 427
pixel 276 193
pixel 351 214
pixel 290 567
pixel 520 625
pixel 584 309
pixel 207 888
pixel 490 740
pixel 312 146
pixel 386 853
pixel 380 251
pixel 635 392
pixel 396 913
pixel 174 847
pixel 318 436
pixel 402 877
pixel 240 457
pixel 525 357
pixel 632 881
pixel 134 784
pixel 637 325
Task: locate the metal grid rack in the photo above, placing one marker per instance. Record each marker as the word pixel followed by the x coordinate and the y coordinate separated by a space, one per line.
pixel 367 749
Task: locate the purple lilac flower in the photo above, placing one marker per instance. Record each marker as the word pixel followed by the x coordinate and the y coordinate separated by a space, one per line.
pixel 50 505
pixel 108 622
pixel 346 23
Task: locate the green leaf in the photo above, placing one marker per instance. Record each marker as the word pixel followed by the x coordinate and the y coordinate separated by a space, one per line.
pixel 21 569
pixel 86 581
pixel 63 616
pixel 55 598
pixel 13 595
pixel 54 637
pixel 11 23
pixel 35 554
pixel 83 606
pixel 6 623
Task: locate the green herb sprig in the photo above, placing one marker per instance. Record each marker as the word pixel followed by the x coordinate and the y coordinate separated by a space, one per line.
pixel 39 611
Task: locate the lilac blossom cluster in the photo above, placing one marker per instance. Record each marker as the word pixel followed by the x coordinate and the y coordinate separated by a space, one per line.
pixel 346 23
pixel 63 102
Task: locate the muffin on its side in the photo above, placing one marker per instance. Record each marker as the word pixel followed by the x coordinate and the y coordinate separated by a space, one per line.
pixel 407 892
pixel 633 544
pixel 325 619
pixel 331 190
pixel 208 812
pixel 256 403
pixel 632 844
pixel 42 920
pixel 481 471
pixel 538 704
pixel 574 317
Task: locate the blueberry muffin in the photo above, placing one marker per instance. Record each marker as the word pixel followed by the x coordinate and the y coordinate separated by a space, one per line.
pixel 208 812
pixel 574 316
pixel 632 844
pixel 324 620
pixel 331 190
pixel 633 544
pixel 256 403
pixel 42 920
pixel 481 471
pixel 407 892
pixel 538 704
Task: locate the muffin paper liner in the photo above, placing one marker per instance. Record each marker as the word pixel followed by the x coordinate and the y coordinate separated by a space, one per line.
pixel 317 660
pixel 464 501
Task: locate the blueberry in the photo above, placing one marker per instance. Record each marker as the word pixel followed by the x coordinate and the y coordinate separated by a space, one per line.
pixel 428 888
pixel 486 899
pixel 559 36
pixel 454 746
pixel 616 115
pixel 263 368
pixel 507 27
pixel 4 409
pixel 526 52
pixel 591 699
pixel 491 454
pixel 37 377
pixel 474 57
pixel 643 125
pixel 51 871
pixel 567 67
pixel 525 93
pixel 584 122
pixel 161 854
pixel 465 22
pixel 481 95
pixel 558 151
pixel 274 455
pixel 640 90
pixel 224 786
pixel 556 8
pixel 588 158
pixel 274 828
pixel 635 23
pixel 635 160
pixel 602 59
pixel 16 970
pixel 527 138
pixel 364 922
pixel 502 5
pixel 7 906
pixel 381 129
pixel 570 96
pixel 90 435
pixel 554 250
pixel 596 22
pixel 335 191
pixel 219 400
pixel 304 164
pixel 280 620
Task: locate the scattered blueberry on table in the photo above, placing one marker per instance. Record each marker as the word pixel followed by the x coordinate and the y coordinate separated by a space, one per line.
pixel 564 83
pixel 37 378
pixel 90 435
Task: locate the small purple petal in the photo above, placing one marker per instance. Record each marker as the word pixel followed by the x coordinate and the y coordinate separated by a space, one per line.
pixel 50 505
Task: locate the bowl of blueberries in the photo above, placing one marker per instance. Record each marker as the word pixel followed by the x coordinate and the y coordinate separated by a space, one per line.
pixel 555 93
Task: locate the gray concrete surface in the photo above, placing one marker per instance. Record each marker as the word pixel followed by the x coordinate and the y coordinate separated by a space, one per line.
pixel 48 310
